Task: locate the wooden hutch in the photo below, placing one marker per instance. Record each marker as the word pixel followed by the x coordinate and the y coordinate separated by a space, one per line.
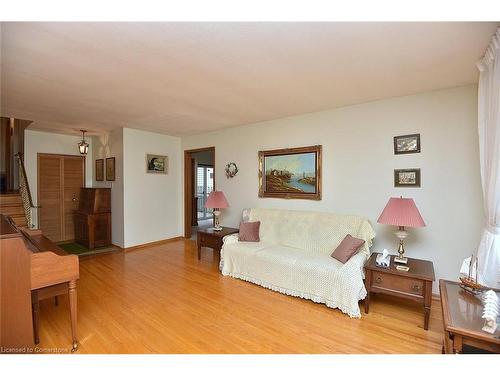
pixel 93 218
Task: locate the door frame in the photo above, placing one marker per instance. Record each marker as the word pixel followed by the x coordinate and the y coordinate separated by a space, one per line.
pixel 188 172
pixel 84 159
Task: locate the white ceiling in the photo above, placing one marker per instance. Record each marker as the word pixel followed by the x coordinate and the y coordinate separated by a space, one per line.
pixel 187 78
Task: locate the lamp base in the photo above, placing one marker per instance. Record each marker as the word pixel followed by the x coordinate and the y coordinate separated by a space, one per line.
pixel 217 226
pixel 401 260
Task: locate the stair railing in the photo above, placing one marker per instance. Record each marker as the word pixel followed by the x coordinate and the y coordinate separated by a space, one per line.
pixel 24 189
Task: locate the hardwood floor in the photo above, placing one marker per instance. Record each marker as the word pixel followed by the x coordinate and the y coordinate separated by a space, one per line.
pixel 161 299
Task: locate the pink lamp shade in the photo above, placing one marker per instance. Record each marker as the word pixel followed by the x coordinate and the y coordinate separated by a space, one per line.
pixel 401 212
pixel 216 199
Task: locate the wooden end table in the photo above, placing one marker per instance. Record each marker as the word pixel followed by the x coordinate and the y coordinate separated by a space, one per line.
pixel 207 237
pixel 462 322
pixel 415 284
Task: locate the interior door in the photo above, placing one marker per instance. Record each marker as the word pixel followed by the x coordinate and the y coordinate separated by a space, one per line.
pixel 60 178
pixel 73 180
pixel 50 197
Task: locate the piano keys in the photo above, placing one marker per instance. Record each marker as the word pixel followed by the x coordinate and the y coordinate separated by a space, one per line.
pixel 28 255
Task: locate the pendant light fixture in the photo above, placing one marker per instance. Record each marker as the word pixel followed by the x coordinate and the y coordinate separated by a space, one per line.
pixel 83 146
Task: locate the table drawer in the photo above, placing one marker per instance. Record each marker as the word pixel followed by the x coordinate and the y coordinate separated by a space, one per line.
pixel 210 241
pixel 397 283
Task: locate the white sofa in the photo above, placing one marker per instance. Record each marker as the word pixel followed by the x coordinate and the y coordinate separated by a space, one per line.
pixel 293 256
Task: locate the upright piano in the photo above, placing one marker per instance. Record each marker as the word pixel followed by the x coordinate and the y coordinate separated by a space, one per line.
pixel 31 268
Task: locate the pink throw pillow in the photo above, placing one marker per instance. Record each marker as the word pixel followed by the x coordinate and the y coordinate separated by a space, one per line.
pixel 249 231
pixel 347 248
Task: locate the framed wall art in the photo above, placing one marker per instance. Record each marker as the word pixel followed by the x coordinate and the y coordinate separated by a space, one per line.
pixel 407 144
pixel 110 169
pixel 407 177
pixel 99 170
pixel 290 173
pixel 157 164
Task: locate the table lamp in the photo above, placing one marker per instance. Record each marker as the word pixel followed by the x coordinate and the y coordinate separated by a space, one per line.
pixel 216 200
pixel 401 212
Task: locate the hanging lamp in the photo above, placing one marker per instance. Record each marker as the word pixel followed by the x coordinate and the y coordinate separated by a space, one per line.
pixel 83 146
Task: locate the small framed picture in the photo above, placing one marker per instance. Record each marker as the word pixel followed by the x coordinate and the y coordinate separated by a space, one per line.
pixel 99 170
pixel 157 164
pixel 110 169
pixel 407 177
pixel 407 144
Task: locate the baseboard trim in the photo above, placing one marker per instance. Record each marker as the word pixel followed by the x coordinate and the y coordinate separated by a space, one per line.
pixel 141 246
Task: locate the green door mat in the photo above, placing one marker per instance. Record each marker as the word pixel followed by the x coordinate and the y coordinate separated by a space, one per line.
pixel 80 250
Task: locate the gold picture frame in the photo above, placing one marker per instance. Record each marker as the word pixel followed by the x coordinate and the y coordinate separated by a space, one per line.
pixel 99 169
pixel 290 173
pixel 110 169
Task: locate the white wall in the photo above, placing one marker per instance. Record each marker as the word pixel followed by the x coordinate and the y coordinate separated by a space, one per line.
pixel 152 202
pixel 358 164
pixel 106 146
pixel 41 142
pixel 145 207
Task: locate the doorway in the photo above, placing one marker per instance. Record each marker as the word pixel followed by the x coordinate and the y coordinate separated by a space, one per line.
pixel 204 186
pixel 60 178
pixel 199 182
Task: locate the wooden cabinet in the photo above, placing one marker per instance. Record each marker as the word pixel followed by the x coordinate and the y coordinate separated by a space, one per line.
pixel 95 200
pixel 93 218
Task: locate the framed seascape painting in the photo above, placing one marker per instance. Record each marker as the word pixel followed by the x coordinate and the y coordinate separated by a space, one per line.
pixel 291 173
pixel 156 164
pixel 407 177
pixel 407 144
pixel 99 170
